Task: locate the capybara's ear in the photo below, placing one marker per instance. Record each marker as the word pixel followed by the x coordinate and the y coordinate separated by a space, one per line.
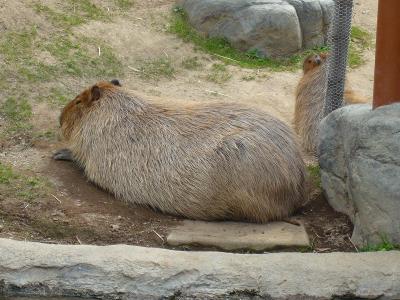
pixel 95 93
pixel 116 82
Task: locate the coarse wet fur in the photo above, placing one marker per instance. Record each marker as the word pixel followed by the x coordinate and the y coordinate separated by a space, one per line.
pixel 205 161
pixel 310 99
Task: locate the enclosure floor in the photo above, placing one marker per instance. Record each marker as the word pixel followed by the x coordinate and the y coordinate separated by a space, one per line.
pixel 83 213
pixel 78 212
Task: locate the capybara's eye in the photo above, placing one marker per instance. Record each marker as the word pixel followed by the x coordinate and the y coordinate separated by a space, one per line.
pixel 77 102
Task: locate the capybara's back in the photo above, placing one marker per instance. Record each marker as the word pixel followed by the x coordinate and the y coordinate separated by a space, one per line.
pixel 208 161
pixel 309 106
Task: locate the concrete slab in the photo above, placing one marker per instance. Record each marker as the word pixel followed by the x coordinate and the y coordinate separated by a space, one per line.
pixel 239 236
pixel 130 272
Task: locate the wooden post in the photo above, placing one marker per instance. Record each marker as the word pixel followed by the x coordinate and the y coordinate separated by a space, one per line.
pixel 387 57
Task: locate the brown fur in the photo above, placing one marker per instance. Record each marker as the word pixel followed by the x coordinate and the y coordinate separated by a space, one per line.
pixel 313 61
pixel 310 98
pixel 208 161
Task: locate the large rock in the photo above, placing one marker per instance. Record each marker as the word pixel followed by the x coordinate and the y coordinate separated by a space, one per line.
pixel 129 272
pixel 359 155
pixel 273 27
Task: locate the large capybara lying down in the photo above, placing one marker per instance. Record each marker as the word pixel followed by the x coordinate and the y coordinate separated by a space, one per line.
pixel 206 161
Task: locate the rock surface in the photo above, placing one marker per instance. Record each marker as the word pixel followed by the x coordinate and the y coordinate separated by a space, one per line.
pixel 359 155
pixel 129 272
pixel 272 27
pixel 239 236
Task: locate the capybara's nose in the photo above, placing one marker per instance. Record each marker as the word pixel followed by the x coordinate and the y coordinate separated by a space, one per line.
pixel 318 60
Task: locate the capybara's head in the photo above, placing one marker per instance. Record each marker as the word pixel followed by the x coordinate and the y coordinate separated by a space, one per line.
pixel 313 61
pixel 77 108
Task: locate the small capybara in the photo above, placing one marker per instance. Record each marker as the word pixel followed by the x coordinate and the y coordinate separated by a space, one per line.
pixel 206 161
pixel 313 61
pixel 310 100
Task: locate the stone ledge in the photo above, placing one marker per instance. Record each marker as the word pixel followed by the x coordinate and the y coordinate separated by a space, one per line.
pixel 130 272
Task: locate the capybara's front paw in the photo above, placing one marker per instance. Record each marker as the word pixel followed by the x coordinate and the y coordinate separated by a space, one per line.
pixel 63 154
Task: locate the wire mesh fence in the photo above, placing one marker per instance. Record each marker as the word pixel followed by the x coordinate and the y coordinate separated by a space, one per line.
pixel 338 41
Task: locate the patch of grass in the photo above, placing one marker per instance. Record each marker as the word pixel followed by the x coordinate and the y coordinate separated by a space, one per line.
pixel 72 12
pixel 156 69
pixel 22 187
pixel 6 174
pixel 17 112
pixel 219 74
pixel 124 4
pixel 221 48
pixel 18 51
pixel 47 135
pixel 16 45
pixel 361 37
pixel 191 63
pixel 31 187
pixel 249 77
pixel 74 57
pixel 58 97
pixel 360 40
pixel 315 174
pixel 385 245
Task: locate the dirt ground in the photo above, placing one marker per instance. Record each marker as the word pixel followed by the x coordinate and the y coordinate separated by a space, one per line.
pixel 52 201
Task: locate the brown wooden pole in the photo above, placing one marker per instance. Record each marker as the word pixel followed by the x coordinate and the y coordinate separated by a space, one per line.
pixel 387 57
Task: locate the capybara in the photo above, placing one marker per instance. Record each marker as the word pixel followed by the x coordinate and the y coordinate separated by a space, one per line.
pixel 310 100
pixel 313 61
pixel 207 161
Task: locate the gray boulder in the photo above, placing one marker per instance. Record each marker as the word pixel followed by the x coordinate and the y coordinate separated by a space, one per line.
pixel 359 155
pixel 273 27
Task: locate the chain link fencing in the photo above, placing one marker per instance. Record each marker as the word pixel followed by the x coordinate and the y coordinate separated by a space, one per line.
pixel 338 42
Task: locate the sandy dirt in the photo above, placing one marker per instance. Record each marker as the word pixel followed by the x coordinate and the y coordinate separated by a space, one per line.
pixel 75 211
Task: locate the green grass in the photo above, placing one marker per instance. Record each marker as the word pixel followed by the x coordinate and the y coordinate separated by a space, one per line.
pixel 72 12
pixel 315 174
pixel 17 45
pixel 219 74
pixel 360 40
pixel 156 69
pixel 385 245
pixel 124 4
pixel 6 174
pixel 18 50
pixel 191 63
pixel 58 97
pixel 361 37
pixel 74 58
pixel 35 62
pixel 17 112
pixel 20 186
pixel 221 48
